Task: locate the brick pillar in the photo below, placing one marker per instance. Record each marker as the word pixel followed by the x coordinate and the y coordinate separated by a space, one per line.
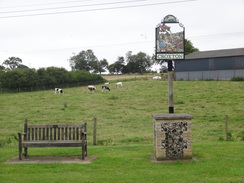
pixel 172 136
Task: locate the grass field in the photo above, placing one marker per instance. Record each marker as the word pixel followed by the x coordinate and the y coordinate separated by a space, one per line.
pixel 125 132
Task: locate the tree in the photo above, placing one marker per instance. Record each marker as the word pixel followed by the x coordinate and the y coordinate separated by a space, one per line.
pixel 138 63
pixel 163 69
pixel 189 48
pixel 143 62
pixel 21 66
pixel 99 66
pixel 83 60
pixel 12 63
pixel 2 68
pixel 117 66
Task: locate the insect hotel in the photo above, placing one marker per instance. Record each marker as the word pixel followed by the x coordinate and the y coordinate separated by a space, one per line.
pixel 172 136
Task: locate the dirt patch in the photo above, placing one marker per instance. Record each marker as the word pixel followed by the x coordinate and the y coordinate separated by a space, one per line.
pixel 50 159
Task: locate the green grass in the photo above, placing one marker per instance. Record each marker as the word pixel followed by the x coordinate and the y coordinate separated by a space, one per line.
pixel 213 162
pixel 125 132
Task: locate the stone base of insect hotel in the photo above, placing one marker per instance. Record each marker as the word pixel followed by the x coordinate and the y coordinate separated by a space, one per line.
pixel 172 136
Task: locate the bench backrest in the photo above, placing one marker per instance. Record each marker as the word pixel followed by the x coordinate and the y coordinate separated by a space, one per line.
pixel 54 132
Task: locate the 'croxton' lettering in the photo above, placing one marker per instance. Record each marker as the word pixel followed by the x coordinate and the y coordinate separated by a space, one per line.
pixel 173 56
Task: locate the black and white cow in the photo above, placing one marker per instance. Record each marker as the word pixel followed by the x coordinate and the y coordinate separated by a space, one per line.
pixel 91 88
pixel 105 88
pixel 58 90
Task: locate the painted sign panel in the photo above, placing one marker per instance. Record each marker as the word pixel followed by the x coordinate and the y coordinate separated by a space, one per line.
pixel 170 37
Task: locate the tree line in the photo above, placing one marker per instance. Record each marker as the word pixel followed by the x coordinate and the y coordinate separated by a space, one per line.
pixel 131 63
pixel 16 76
pixel 86 60
pixel 45 78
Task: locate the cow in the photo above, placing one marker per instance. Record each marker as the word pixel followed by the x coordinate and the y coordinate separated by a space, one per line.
pixel 119 84
pixel 105 88
pixel 91 88
pixel 58 90
pixel 107 83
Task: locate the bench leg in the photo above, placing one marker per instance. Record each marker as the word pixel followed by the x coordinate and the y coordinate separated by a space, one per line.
pixel 26 152
pixel 20 152
pixel 20 146
pixel 83 152
pixel 86 150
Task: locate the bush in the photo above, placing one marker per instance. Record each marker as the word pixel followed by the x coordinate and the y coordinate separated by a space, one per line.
pixel 132 139
pixel 221 139
pixel 241 135
pixel 45 78
pixel 9 140
pixel 237 79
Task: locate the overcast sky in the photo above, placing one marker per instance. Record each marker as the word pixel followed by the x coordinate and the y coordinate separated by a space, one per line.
pixel 46 33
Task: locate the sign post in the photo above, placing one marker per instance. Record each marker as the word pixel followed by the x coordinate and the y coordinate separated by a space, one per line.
pixel 172 132
pixel 170 36
pixel 170 86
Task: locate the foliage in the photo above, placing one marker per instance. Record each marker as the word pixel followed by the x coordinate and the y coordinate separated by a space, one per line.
pixel 163 69
pixel 86 60
pixel 12 63
pixel 31 79
pixel 189 48
pixel 139 63
pixel 117 66
pixel 99 66
pixel 237 79
pixel 2 68
pixel 241 135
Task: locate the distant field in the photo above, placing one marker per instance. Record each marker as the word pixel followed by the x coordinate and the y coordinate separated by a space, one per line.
pixel 125 131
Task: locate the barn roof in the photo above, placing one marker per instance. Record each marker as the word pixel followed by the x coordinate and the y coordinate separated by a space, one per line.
pixel 216 53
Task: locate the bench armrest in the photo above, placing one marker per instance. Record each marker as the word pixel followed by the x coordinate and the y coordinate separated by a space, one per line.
pixel 20 136
pixel 21 133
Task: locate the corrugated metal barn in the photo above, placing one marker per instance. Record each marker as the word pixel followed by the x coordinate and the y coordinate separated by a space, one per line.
pixel 217 65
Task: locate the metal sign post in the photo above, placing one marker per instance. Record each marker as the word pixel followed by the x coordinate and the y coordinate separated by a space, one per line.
pixel 170 36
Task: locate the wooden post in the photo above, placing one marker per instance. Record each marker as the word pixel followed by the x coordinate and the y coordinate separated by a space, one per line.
pixel 226 127
pixel 95 131
pixel 170 87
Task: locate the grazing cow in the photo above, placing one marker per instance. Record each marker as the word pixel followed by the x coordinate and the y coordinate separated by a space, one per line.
pixel 91 88
pixel 105 88
pixel 58 90
pixel 107 83
pixel 119 84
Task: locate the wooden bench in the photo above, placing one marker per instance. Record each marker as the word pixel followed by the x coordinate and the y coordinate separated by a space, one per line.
pixel 53 136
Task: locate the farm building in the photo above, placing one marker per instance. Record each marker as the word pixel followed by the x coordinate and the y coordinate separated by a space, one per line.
pixel 217 65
